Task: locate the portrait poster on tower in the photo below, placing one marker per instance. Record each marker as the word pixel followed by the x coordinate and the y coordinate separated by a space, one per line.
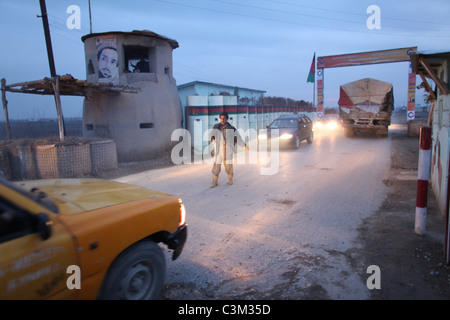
pixel 108 68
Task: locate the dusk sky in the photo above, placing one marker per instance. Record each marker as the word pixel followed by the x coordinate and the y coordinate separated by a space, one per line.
pixel 259 44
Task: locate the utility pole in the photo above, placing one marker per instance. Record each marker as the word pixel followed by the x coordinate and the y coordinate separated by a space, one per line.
pixel 51 62
pixel 90 17
pixel 48 40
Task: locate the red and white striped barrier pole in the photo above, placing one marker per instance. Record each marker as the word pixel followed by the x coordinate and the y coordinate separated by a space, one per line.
pixel 423 176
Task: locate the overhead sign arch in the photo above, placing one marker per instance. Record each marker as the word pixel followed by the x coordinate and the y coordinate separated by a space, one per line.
pixel 365 58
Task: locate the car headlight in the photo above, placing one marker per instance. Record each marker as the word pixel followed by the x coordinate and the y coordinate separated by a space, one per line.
pixel 262 136
pixel 319 125
pixel 332 125
pixel 182 213
pixel 286 136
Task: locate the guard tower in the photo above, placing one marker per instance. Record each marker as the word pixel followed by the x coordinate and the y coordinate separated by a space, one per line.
pixel 141 123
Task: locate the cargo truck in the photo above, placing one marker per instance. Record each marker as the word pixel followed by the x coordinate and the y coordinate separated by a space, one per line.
pixel 366 105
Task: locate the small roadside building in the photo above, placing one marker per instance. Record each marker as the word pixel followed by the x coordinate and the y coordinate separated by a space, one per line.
pixel 131 107
pixel 248 109
pixel 242 96
pixel 202 88
pixel 202 103
pixel 435 66
pixel 140 123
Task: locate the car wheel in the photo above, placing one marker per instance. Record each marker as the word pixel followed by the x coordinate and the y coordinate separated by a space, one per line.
pixel 297 142
pixel 137 274
pixel 310 138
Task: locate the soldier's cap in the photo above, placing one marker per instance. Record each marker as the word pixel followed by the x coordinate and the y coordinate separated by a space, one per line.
pixel 224 113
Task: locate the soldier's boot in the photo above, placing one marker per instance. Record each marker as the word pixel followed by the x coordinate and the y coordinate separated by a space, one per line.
pixel 215 181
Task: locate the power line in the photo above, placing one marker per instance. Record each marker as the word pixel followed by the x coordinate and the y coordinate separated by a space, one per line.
pixel 366 32
pixel 320 17
pixel 356 14
pixel 63 23
pixel 285 12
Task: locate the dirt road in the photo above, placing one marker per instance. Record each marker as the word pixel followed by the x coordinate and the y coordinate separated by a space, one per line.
pixel 309 231
pixel 413 267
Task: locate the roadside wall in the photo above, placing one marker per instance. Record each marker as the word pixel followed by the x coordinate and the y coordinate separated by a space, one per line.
pixel 202 113
pixel 441 144
pixel 202 89
pixel 28 159
pixel 414 127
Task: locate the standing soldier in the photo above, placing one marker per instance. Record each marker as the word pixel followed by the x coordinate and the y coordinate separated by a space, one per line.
pixel 224 137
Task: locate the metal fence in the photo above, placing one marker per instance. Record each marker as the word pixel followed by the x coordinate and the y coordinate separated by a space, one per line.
pixel 27 159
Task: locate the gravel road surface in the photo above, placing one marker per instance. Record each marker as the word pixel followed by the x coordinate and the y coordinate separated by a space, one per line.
pixel 289 235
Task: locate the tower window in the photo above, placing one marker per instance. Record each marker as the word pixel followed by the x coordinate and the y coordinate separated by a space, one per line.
pixel 137 59
pixel 148 125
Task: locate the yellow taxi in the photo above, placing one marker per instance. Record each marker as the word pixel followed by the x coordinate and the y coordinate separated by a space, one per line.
pixel 86 239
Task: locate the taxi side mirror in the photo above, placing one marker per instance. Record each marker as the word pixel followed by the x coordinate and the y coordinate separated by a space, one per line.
pixel 43 226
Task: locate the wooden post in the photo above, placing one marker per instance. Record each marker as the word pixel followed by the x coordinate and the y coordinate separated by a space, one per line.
pixel 5 109
pixel 55 83
pixel 441 85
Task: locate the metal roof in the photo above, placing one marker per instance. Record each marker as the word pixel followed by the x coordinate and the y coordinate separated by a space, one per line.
pixel 217 85
pixel 426 64
pixel 146 33
pixel 434 59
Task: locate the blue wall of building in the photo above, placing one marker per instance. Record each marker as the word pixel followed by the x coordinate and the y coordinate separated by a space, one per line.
pixel 245 96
